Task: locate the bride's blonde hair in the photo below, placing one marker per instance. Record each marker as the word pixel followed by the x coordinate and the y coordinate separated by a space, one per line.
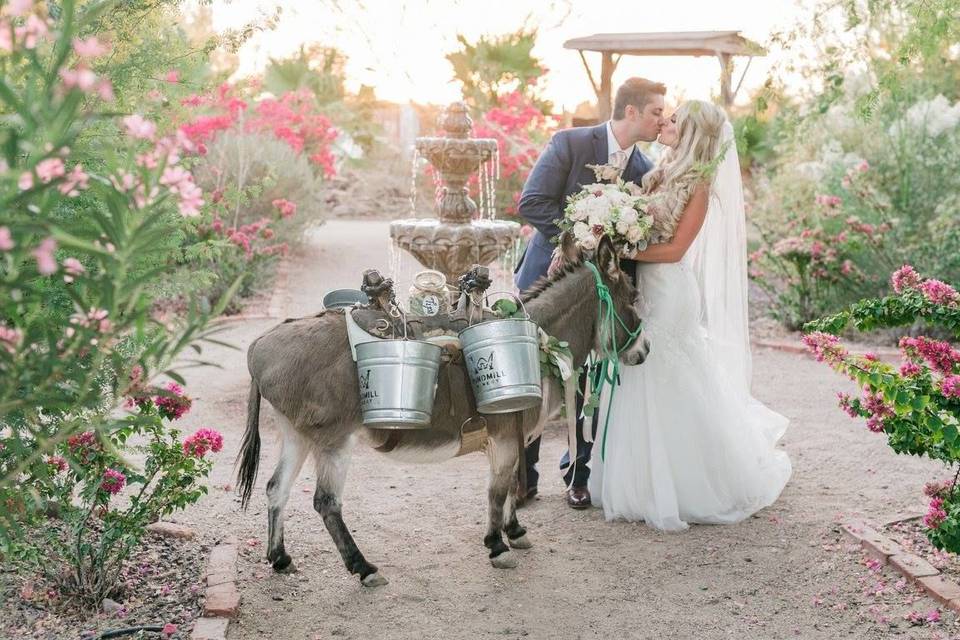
pixel 699 125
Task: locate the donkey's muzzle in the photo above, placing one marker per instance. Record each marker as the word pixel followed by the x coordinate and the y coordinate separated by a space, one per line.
pixel 637 353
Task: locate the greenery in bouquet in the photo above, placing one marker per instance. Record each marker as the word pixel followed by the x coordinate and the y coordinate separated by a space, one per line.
pixel 916 405
pixel 615 209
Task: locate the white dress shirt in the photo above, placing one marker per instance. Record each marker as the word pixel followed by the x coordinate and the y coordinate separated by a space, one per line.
pixel 618 155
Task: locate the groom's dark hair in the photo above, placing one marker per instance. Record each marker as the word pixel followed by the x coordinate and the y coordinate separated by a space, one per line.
pixel 638 92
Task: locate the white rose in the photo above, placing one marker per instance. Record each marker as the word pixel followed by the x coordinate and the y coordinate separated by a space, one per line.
pixel 581 231
pixel 589 242
pixel 579 211
pixel 634 235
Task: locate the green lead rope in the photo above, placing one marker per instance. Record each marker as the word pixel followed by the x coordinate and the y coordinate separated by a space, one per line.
pixel 605 368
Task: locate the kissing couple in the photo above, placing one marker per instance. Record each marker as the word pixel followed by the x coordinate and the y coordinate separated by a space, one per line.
pixel 685 441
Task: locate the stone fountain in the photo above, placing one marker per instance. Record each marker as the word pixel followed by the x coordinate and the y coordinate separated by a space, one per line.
pixel 461 235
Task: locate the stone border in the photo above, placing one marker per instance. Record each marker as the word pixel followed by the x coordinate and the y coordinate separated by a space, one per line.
pixel 912 567
pixel 221 597
pixel 789 346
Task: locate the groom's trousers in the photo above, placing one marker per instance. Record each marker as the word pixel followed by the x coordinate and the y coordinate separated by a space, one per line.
pixel 575 474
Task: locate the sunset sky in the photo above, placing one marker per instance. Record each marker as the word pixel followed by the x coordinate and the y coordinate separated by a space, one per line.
pixel 398 46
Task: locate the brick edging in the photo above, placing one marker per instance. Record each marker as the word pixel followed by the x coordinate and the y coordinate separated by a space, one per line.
pixel 222 597
pixel 797 347
pixel 911 566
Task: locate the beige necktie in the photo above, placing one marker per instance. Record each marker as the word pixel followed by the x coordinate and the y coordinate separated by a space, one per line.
pixel 619 159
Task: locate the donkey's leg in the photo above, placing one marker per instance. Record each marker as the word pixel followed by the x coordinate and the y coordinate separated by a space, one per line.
pixel 503 455
pixel 331 475
pixel 292 454
pixel 516 534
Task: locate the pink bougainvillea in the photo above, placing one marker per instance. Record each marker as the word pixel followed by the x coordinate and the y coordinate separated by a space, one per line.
pixel 113 481
pixel 202 441
pixel 175 404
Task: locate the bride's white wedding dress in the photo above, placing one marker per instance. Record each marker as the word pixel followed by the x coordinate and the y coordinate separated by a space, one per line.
pixel 685 441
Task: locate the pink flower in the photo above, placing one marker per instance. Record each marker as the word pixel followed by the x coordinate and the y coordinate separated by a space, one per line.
pixel 933 615
pixel 83 446
pixel 175 405
pixel 173 76
pixel 6 239
pixel 10 339
pixel 89 48
pixel 169 629
pixel 909 369
pixel 905 278
pixel 58 463
pixel 847 404
pixel 75 181
pixel 203 440
pixel 31 31
pixel 113 481
pixel 846 268
pixel 19 7
pixel 825 347
pixel 939 292
pixel 863 167
pixel 50 169
pixel 139 127
pixel 80 78
pixel 73 267
pixel 105 90
pixel 878 409
pixel 950 386
pixel 940 355
pixel 935 514
pixel 46 263
pixel 285 207
pixel 26 181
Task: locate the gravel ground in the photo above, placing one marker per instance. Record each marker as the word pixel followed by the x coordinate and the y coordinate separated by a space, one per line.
pixel 785 573
pixel 160 584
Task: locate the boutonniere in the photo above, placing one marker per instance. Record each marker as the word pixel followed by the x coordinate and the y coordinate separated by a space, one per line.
pixel 603 172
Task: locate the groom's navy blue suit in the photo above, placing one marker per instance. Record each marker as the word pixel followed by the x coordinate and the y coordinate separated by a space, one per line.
pixel 560 172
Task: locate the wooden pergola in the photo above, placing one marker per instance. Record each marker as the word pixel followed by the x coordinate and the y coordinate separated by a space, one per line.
pixel 613 46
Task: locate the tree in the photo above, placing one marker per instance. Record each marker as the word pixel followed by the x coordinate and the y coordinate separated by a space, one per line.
pixel 496 66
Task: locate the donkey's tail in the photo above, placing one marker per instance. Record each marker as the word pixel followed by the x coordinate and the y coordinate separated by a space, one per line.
pixel 249 460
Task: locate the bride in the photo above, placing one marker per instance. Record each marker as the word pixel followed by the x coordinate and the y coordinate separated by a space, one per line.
pixel 685 441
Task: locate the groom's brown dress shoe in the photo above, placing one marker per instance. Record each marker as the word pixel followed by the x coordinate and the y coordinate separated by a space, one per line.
pixel 578 498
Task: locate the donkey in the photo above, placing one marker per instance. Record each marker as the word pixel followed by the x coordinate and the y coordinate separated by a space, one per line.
pixel 303 367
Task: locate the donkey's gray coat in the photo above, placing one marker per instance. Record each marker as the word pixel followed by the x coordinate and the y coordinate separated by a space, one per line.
pixel 303 367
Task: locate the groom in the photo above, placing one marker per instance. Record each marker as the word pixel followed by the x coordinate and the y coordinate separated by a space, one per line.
pixel 560 172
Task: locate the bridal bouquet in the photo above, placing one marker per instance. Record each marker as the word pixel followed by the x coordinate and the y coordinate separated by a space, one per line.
pixel 617 210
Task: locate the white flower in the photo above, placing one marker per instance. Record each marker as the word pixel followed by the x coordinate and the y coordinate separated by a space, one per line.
pixel 634 234
pixel 932 117
pixel 589 242
pixel 581 231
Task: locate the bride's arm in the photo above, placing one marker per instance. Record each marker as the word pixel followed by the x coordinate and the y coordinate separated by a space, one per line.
pixel 687 229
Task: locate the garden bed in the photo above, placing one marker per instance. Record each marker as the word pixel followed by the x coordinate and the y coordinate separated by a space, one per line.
pixel 162 585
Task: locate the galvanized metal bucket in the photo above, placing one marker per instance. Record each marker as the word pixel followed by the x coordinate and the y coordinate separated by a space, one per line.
pixel 398 381
pixel 503 363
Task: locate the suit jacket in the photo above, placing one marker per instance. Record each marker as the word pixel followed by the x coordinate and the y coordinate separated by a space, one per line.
pixel 561 171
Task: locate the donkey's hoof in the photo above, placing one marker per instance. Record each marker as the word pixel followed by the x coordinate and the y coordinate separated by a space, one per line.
pixel 284 564
pixel 505 560
pixel 520 543
pixel 374 580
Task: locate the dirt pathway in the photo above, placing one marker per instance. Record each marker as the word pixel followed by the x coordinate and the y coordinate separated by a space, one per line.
pixel 785 573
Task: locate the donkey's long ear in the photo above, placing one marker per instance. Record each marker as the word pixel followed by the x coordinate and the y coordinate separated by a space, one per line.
pixel 568 249
pixel 607 259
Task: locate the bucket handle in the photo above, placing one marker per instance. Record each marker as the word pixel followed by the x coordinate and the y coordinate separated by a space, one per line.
pixel 509 293
pixel 397 312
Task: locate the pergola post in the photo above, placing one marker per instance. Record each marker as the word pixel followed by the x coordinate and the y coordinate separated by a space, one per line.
pixel 726 78
pixel 605 95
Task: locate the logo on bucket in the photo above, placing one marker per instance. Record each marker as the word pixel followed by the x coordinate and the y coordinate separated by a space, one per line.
pixel 367 394
pixel 483 373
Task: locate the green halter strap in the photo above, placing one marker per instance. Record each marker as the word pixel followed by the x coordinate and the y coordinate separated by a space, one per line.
pixel 605 368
